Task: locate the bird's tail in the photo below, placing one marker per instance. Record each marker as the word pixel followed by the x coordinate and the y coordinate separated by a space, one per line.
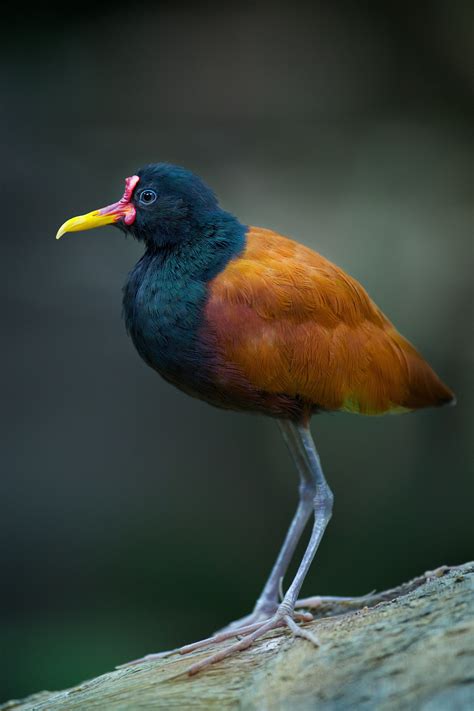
pixel 423 387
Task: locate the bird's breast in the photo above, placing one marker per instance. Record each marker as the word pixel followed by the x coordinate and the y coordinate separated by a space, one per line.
pixel 163 309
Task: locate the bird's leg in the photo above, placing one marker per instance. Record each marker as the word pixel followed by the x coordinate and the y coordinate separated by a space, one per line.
pixel 285 613
pixel 267 603
pixel 322 505
pixel 300 442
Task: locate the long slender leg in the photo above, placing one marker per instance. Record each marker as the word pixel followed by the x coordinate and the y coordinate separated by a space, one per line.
pixel 314 493
pixel 284 616
pixel 268 600
pixel 322 504
pixel 267 603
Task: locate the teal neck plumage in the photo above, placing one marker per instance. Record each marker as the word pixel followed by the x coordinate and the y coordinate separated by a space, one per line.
pixel 166 292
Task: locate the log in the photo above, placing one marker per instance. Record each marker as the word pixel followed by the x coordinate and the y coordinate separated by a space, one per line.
pixel 407 648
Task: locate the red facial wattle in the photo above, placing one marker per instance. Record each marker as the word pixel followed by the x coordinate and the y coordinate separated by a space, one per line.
pixel 124 208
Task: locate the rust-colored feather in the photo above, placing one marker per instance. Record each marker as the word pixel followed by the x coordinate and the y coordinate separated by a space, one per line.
pixel 286 321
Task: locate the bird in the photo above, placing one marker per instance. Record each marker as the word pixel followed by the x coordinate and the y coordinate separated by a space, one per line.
pixel 247 319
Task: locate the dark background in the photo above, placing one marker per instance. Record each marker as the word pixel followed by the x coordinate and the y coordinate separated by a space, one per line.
pixel 133 517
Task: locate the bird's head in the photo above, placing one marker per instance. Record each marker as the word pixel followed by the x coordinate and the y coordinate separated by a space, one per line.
pixel 161 204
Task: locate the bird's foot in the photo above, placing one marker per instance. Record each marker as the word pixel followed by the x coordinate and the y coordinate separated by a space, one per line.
pixel 326 604
pixel 319 603
pixel 246 635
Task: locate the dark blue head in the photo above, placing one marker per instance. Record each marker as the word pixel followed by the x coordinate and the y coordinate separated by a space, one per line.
pixel 171 210
pixel 172 204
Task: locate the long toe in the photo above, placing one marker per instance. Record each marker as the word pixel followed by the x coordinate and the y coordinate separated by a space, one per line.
pixel 247 634
pixel 259 630
pixel 194 646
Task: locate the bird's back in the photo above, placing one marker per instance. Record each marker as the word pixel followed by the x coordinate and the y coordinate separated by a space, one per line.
pixel 292 330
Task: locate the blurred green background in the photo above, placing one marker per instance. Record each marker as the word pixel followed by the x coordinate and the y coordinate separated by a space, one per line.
pixel 134 518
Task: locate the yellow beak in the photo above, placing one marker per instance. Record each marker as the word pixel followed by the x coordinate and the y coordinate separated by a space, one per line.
pixel 87 222
pixel 124 210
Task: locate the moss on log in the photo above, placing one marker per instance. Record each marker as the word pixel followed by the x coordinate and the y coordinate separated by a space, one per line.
pixel 408 648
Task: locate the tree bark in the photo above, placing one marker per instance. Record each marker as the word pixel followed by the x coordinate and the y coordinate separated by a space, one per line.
pixel 408 648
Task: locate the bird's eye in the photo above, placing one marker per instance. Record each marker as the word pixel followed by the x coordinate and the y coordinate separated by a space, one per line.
pixel 147 197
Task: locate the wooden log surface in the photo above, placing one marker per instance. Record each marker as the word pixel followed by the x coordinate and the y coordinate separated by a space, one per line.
pixel 408 648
